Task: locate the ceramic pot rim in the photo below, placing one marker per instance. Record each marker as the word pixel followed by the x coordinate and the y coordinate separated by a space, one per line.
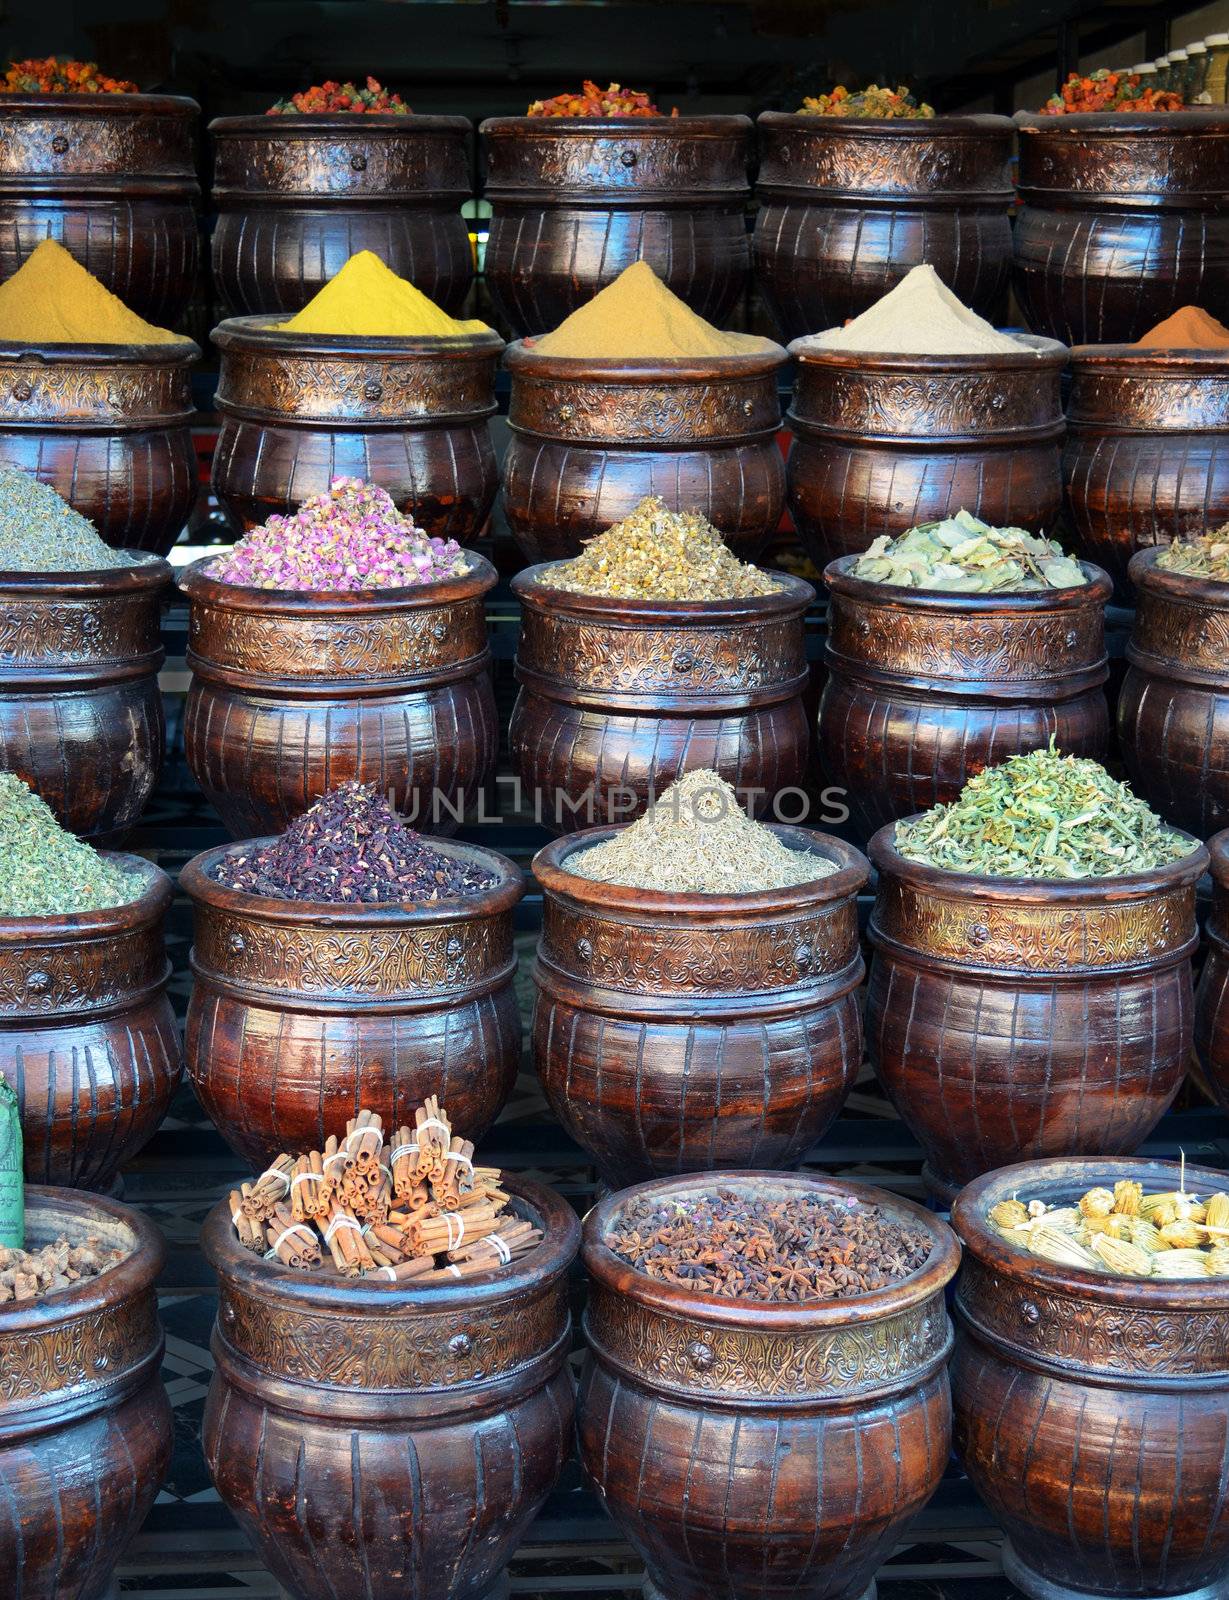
pixel 617 1276
pixel 794 592
pixel 841 580
pixel 98 583
pixel 323 1292
pixel 509 888
pixel 1069 1176
pixel 1190 120
pixel 520 358
pixel 853 871
pixel 183 352
pixel 1039 353
pixel 1032 891
pixel 254 333
pixel 146 105
pixel 1218 852
pixel 199 587
pixel 1145 574
pixel 305 124
pixel 917 128
pixel 153 902
pixel 708 123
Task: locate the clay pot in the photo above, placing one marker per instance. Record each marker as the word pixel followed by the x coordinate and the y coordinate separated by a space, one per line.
pixel 620 697
pixel 678 1033
pixel 450 1405
pixel 1147 452
pixel 925 689
pixel 1090 1408
pixel 575 200
pixel 1121 221
pixel 1029 1017
pixel 1212 996
pixel 590 439
pixel 297 196
pixel 88 1037
pixel 883 442
pixel 848 207
pixel 113 179
pixel 750 1451
pixel 85 1425
pixel 302 1012
pixel 80 709
pixel 107 426
pixel 296 691
pixel 407 414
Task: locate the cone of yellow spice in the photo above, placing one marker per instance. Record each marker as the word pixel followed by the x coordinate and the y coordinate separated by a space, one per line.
pixel 367 300
pixel 52 299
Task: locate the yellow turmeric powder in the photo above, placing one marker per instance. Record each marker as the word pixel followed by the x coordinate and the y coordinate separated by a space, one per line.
pixel 367 300
pixel 637 318
pixel 52 299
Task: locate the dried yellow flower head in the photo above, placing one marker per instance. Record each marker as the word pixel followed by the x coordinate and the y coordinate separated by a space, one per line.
pixel 1127 1197
pixel 1096 1203
pixel 1009 1214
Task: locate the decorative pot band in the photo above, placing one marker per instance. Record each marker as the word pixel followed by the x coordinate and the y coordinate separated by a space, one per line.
pixel 269 376
pixel 1024 647
pixel 340 158
pixel 310 643
pixel 845 394
pixel 88 964
pixel 941 161
pixel 1181 625
pixel 88 143
pixel 86 1348
pixel 97 387
pixel 1039 928
pixel 306 956
pixel 1124 1331
pixel 1123 389
pixel 637 160
pixel 644 404
pixel 1175 163
pixel 632 655
pixel 64 627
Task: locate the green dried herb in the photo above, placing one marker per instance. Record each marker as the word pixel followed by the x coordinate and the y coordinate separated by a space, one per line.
pixel 40 531
pixel 45 871
pixel 964 555
pixel 1043 815
pixel 1204 556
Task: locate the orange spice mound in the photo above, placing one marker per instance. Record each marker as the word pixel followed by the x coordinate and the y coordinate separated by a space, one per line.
pixel 613 101
pixel 49 75
pixel 1189 328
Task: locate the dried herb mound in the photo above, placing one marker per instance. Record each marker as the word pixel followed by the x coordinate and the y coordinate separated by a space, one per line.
pixel 872 102
pixel 1043 815
pixel 797 1248
pixel 44 870
pixel 351 846
pixel 1204 556
pixel 40 531
pixel 592 101
pixel 372 99
pixel 1107 90
pixel 963 555
pixel 59 75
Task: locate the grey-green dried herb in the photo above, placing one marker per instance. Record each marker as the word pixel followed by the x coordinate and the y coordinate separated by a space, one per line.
pixel 45 871
pixel 40 531
pixel 964 555
pixel 1204 556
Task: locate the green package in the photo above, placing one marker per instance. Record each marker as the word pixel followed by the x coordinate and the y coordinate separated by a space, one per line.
pixel 12 1178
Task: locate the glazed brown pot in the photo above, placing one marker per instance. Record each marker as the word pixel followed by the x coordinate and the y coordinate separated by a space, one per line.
pixel 849 206
pixel 1090 1408
pixel 88 1037
pixel 1212 996
pixel 883 442
pixel 1147 452
pixel 926 689
pixel 1122 221
pixel 294 692
pixel 300 1012
pixel 620 697
pixel 108 427
pixel 678 1033
pixel 298 195
pixel 410 415
pixel 112 177
pixel 591 438
pixel 575 200
pixel 1029 1017
pixel 85 1424
pixel 753 1451
pixel 450 1404
pixel 81 717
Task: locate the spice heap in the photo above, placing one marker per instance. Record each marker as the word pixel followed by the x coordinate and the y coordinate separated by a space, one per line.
pixel 963 555
pixel 1188 328
pixel 636 318
pixel 34 1274
pixel 613 101
pixel 1206 555
pixel 798 1248
pixel 1125 1231
pixel 413 1206
pixel 52 299
pixel 1105 90
pixel 659 554
pixel 919 317
pixel 351 847
pixel 353 537
pixel 872 101
pixel 46 872
pixel 1043 815
pixel 40 531
pixel 50 75
pixel 696 839
pixel 367 300
pixel 334 96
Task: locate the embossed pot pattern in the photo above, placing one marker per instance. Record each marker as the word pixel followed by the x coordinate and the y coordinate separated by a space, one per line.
pixel 382 1441
pixel 676 1033
pixel 751 1451
pixel 1090 1409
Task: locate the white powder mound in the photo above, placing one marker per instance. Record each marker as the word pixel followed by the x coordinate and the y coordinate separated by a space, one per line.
pixel 920 317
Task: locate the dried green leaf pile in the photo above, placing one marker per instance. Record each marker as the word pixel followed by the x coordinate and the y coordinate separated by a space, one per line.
pixel 44 870
pixel 1204 556
pixel 964 555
